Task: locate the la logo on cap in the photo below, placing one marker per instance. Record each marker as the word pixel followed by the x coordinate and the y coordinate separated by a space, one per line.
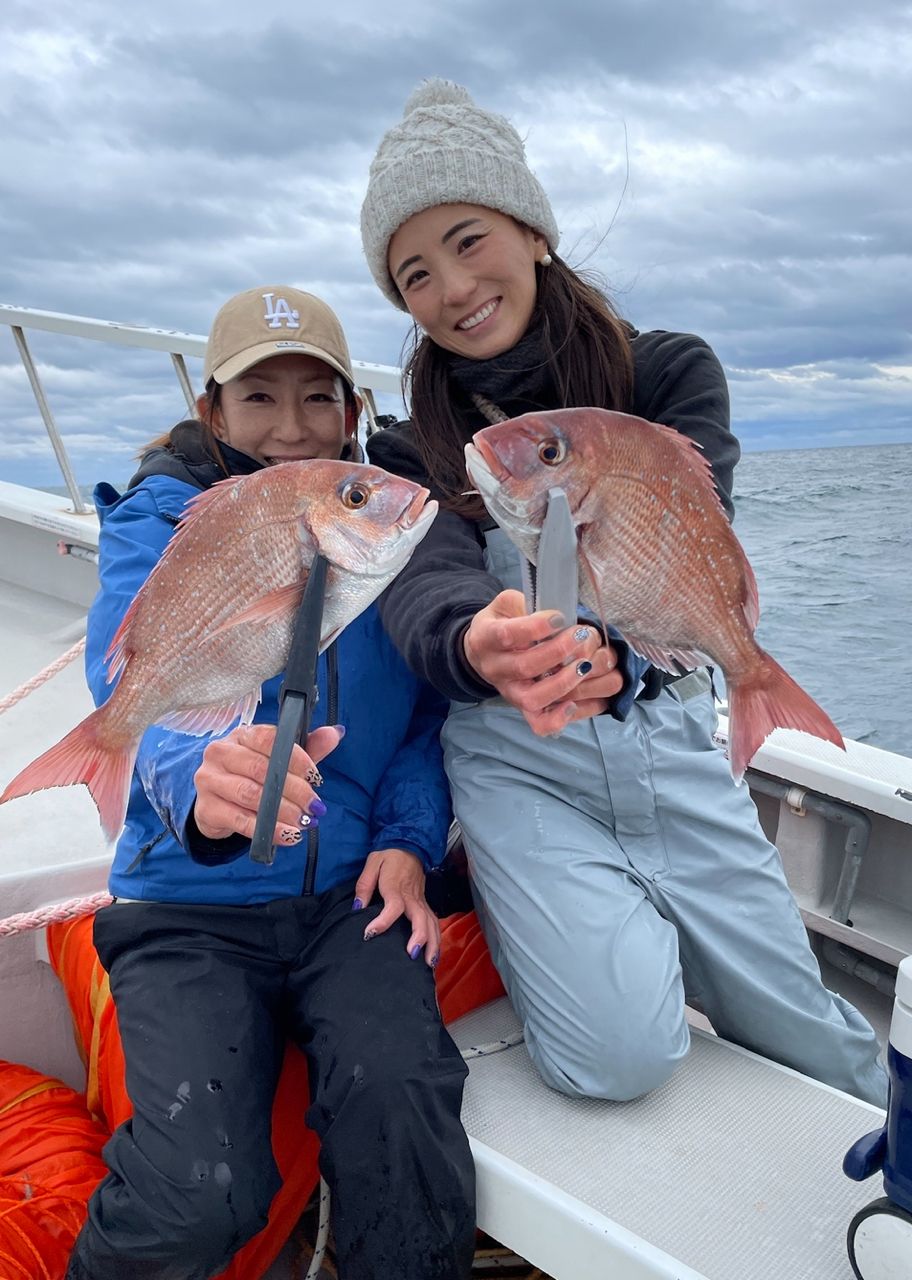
pixel 280 312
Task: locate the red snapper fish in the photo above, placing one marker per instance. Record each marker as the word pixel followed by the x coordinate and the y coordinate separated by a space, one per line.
pixel 659 558
pixel 214 619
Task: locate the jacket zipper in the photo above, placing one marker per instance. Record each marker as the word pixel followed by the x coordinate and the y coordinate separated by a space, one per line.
pixel 332 714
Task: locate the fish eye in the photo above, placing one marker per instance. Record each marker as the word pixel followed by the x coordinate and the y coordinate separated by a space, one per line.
pixel 552 452
pixel 355 496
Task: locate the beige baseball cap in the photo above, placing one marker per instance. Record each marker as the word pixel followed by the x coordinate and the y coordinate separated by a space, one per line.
pixel 273 320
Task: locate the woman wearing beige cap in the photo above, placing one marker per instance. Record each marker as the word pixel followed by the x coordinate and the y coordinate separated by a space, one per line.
pixel 616 868
pixel 215 960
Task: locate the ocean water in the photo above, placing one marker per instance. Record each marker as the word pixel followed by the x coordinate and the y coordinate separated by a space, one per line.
pixel 829 535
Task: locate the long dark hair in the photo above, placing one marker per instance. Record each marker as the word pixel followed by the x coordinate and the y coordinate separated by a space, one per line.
pixel 587 350
pixel 210 439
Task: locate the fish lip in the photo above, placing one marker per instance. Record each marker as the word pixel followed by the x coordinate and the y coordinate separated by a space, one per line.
pixel 413 511
pixel 499 503
pixel 498 470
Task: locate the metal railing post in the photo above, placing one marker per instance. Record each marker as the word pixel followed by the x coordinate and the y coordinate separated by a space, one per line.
pixel 183 377
pixel 51 426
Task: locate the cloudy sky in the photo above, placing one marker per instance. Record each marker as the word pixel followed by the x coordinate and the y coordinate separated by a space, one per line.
pixel 734 168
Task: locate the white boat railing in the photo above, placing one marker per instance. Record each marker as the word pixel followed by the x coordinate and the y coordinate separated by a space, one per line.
pixel 370 378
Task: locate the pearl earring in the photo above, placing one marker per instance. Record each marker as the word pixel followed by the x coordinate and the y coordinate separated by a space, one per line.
pixel 547 260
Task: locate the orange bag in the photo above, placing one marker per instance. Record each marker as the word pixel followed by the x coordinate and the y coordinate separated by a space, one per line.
pixel 466 978
pixel 50 1163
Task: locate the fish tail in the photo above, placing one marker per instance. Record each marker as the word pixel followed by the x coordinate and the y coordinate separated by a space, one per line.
pixel 770 699
pixel 83 756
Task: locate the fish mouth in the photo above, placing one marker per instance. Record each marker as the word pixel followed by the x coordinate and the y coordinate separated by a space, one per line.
pixel 492 461
pixel 491 484
pixel 415 509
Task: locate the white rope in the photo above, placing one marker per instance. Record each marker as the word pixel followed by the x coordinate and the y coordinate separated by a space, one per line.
pixel 316 1262
pixel 37 681
pixel 60 911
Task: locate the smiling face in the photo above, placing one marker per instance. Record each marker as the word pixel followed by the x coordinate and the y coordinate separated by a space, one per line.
pixel 467 276
pixel 284 409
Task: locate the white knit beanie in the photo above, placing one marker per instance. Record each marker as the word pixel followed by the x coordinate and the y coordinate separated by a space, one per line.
pixel 446 150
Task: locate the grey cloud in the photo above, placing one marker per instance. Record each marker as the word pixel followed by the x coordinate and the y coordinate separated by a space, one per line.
pixel 154 166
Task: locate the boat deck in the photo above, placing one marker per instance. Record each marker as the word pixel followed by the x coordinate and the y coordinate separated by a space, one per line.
pixel 35 630
pixel 707 1177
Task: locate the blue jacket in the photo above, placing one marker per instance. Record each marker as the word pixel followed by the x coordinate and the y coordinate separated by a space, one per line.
pixel 384 785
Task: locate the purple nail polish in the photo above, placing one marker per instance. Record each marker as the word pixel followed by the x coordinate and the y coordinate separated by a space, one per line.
pixel 340 730
pixel 316 808
pixel 435 959
pixel 357 905
pixel 415 951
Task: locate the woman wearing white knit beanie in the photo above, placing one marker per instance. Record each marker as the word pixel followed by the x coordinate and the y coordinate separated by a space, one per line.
pixel 617 867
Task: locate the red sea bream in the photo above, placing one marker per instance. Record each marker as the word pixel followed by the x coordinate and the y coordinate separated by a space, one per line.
pixel 659 559
pixel 214 618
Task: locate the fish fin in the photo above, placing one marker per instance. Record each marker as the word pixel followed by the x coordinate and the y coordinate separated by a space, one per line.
pixel 83 757
pixel 770 699
pixel 331 638
pixel 119 653
pixel 200 721
pixel 205 499
pixel 692 450
pixel 670 660
pixel 593 581
pixel 751 602
pixel 275 606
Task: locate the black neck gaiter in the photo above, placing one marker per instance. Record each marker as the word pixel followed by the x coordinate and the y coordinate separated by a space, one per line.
pixel 517 381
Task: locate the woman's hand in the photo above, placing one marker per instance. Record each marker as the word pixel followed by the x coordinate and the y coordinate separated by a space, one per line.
pixel 229 783
pixel 550 671
pixel 398 876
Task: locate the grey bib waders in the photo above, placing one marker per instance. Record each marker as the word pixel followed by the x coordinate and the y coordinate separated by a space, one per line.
pixel 618 871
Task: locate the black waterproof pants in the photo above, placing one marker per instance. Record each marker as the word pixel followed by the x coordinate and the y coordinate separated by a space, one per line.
pixel 205 998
